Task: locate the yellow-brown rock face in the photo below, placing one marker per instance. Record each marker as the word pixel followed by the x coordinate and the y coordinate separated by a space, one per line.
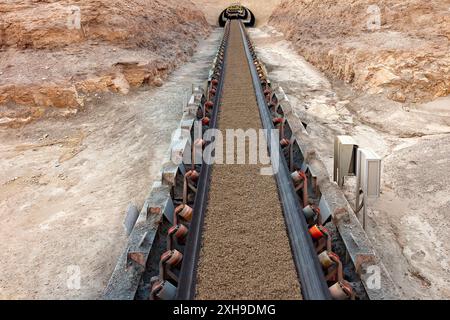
pixel 398 48
pixel 54 53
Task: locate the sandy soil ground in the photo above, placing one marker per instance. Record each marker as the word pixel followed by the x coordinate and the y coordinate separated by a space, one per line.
pixel 408 224
pixel 65 184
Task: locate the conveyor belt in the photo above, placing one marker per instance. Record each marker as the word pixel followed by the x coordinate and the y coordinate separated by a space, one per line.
pixel 245 249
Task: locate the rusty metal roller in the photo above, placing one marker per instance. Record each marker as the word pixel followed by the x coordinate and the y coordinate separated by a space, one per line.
pixel 179 232
pixel 284 142
pixel 298 177
pixel 209 104
pixel 312 214
pixel 171 258
pixel 184 211
pixel 192 174
pixel 162 289
pixel 317 232
pixel 325 259
pixel 205 121
pixel 342 290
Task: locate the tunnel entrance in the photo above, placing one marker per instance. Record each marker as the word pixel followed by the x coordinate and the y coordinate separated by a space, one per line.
pixel 237 11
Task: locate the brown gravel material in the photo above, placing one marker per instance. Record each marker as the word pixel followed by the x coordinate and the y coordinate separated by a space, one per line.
pixel 245 252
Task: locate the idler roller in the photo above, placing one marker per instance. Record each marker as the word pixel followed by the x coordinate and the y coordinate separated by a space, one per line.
pixel 312 214
pixel 325 259
pixel 192 174
pixel 277 121
pixel 209 105
pixel 317 232
pixel 298 177
pixel 301 182
pixel 162 289
pixel 341 290
pixel 321 237
pixel 184 211
pixel 284 142
pixel 171 258
pixel 205 121
pixel 179 232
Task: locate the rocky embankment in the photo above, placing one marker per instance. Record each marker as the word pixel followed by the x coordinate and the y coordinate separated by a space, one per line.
pixel 58 53
pixel 396 48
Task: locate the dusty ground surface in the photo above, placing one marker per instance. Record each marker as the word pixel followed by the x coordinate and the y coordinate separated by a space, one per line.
pixel 408 225
pixel 212 9
pixel 55 54
pixel 396 48
pixel 245 248
pixel 64 185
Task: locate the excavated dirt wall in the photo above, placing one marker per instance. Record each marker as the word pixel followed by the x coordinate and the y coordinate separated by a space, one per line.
pixel 57 53
pixel 396 48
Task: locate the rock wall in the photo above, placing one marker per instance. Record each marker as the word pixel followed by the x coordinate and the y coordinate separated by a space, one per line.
pixel 397 48
pixel 55 53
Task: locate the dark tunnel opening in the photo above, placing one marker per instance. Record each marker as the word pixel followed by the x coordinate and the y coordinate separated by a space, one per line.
pixel 237 12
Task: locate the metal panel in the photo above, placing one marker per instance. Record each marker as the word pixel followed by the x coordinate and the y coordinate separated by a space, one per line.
pixel 369 170
pixel 344 158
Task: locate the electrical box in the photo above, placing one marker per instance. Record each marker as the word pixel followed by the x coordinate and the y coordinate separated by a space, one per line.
pixel 369 173
pixel 345 149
